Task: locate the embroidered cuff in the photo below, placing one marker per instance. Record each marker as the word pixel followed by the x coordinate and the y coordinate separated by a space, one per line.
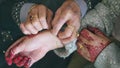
pixel 24 11
pixel 67 50
pixel 16 12
pixel 83 6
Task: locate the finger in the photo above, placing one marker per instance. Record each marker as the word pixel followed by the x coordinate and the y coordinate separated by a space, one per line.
pixel 9 58
pixel 56 17
pixel 27 64
pixel 88 35
pixel 70 39
pixel 64 17
pixel 17 59
pixel 93 39
pixel 98 32
pixel 83 40
pixel 18 48
pixel 9 55
pixel 68 30
pixel 36 23
pixel 28 25
pixel 24 30
pixel 82 49
pixel 22 62
pixel 49 18
pixel 12 46
pixel 36 55
pixel 42 17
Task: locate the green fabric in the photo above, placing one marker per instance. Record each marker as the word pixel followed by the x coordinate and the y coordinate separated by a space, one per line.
pixel 77 61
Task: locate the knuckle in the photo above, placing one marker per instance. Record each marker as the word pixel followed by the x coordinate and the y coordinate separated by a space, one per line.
pixel 50 12
pixel 35 21
pixel 58 12
pixel 62 18
pixel 67 35
pixel 42 18
pixel 28 25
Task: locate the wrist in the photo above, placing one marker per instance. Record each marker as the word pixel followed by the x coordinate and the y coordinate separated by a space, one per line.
pixel 90 52
pixel 52 42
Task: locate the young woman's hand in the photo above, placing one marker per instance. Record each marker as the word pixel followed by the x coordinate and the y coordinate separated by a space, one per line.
pixel 30 49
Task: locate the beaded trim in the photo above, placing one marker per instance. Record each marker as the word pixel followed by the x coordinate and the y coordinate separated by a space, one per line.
pixel 89 4
pixel 16 12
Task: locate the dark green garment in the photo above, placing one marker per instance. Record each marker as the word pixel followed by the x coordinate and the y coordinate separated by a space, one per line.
pixel 77 61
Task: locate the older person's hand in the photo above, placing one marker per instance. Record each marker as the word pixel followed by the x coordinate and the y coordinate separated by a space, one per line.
pixel 68 13
pixel 39 18
pixel 30 49
pixel 91 42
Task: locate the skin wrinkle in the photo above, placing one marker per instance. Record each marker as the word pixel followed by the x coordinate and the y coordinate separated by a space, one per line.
pixel 85 34
pixel 27 64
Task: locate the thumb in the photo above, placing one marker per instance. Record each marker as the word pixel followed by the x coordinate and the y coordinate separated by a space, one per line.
pixel 14 48
pixel 9 55
pixel 59 22
pixel 18 48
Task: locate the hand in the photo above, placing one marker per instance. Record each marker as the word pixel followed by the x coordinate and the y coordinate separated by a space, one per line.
pixel 30 49
pixel 39 18
pixel 91 42
pixel 68 13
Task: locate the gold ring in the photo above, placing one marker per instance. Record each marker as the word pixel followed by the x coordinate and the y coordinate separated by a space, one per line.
pixel 80 46
pixel 31 17
pixel 77 34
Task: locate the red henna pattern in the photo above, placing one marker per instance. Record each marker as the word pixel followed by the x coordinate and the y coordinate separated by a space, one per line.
pixel 94 51
pixel 11 54
pixel 95 30
pixel 17 58
pixel 10 57
pixel 9 61
pixel 85 34
pixel 27 64
pixel 22 62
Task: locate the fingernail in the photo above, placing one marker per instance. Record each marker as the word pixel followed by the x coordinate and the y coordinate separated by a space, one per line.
pixel 27 64
pixel 9 61
pixel 11 55
pixel 21 63
pixel 16 60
